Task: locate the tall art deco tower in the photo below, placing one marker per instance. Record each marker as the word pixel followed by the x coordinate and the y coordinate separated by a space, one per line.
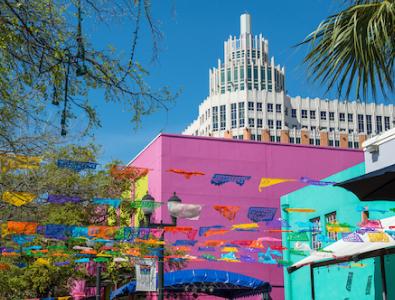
pixel 247 100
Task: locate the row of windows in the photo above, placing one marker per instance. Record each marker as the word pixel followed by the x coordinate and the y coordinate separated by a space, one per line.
pixel 251 80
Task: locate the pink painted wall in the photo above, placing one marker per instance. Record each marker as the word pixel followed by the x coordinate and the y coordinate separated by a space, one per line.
pixel 256 159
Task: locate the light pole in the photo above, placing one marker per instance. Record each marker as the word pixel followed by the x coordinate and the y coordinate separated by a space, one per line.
pixel 148 210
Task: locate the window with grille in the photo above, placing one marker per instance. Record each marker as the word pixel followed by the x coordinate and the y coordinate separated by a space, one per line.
pixel 342 117
pixel 215 118
pixel 312 114
pixel 331 116
pixel 379 124
pixel 241 114
pixel 259 106
pixel 316 229
pixel 293 113
pixel 233 115
pixel 368 124
pixel 361 126
pixel 278 108
pixel 304 114
pixel 251 122
pixel 323 115
pixel 350 118
pixel 331 218
pixel 251 106
pixel 387 123
pixel 270 107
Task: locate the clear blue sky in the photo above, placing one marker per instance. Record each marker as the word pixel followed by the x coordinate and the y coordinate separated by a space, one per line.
pixel 193 35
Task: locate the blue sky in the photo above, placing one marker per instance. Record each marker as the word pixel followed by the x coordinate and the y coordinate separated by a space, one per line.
pixel 193 36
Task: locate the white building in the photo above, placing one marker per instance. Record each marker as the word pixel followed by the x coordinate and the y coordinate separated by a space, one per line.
pixel 247 100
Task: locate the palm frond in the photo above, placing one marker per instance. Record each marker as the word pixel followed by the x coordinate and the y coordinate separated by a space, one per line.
pixel 355 50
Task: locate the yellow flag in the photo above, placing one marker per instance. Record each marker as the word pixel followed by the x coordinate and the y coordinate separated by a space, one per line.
pixel 266 182
pixel 42 261
pixel 378 237
pixel 229 249
pixel 245 226
pixel 18 198
pixel 9 162
pixel 4 230
pixel 64 298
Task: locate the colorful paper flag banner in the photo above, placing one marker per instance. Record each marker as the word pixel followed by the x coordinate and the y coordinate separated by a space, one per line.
pixel 203 229
pixel 220 179
pixel 266 182
pixel 18 198
pixel 365 208
pixel 186 174
pixel 300 210
pixel 212 232
pixel 298 236
pixel 378 237
pixel 246 227
pixel 113 202
pixel 75 165
pixel 128 172
pixel 261 214
pixel 316 182
pixel 352 237
pixel 11 161
pixel 61 199
pixel 227 211
pixel 145 204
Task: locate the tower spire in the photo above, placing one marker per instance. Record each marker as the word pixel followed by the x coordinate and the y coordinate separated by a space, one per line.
pixel 245 23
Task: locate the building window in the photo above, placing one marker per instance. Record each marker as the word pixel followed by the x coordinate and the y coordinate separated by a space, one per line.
pixel 304 114
pixel 240 137
pixel 361 126
pixel 331 129
pixel 270 124
pixel 241 114
pixel 278 108
pixel 356 145
pixel 316 229
pixel 253 137
pixel 272 138
pixel 215 118
pixel 234 137
pixel 222 113
pixel 368 124
pixel 259 137
pixel 251 122
pixel 259 123
pixel 387 123
pixel 317 142
pixel 233 115
pixel 342 117
pixel 259 106
pixel 313 128
pixel 251 106
pixel 298 140
pixel 337 143
pixel 331 218
pixel 292 140
pixel 293 113
pixel 312 114
pixel 331 116
pixel 270 107
pixel 350 118
pixel 330 143
pixel 278 124
pixel 350 130
pixel 311 141
pixel 323 115
pixel 379 124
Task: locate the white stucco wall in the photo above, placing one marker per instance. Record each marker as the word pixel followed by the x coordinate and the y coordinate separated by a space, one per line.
pixel 385 156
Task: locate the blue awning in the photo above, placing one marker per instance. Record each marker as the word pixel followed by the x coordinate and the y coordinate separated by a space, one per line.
pixel 213 282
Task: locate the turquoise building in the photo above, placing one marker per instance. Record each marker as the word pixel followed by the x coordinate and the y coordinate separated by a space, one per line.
pixel 345 281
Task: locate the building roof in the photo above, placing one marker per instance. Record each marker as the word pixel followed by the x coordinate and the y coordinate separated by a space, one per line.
pixel 343 249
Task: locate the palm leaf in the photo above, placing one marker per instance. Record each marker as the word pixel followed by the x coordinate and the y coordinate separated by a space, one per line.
pixel 355 50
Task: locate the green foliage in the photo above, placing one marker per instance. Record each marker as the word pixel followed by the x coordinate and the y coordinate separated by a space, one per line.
pixel 355 49
pixel 48 68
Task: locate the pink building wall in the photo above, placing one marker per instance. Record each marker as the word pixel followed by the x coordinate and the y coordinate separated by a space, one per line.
pixel 256 159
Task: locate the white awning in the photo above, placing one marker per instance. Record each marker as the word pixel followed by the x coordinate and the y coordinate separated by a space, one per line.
pixel 342 249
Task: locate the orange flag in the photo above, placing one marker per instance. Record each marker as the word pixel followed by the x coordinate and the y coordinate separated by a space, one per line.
pixel 227 211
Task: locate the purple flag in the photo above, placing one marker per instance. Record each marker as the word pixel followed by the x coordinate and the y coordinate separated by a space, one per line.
pixel 316 182
pixel 61 199
pixel 352 237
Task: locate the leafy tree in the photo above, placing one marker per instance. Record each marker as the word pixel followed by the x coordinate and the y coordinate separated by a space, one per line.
pixel 48 66
pixel 355 49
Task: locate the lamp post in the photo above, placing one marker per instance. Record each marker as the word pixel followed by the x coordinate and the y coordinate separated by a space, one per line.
pixel 148 210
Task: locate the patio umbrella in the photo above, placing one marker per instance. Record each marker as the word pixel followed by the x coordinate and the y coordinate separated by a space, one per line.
pixel 374 186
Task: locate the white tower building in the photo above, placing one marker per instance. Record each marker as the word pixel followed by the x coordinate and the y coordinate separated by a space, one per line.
pixel 247 100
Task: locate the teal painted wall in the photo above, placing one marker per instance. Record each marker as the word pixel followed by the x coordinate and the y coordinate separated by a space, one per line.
pixel 330 283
